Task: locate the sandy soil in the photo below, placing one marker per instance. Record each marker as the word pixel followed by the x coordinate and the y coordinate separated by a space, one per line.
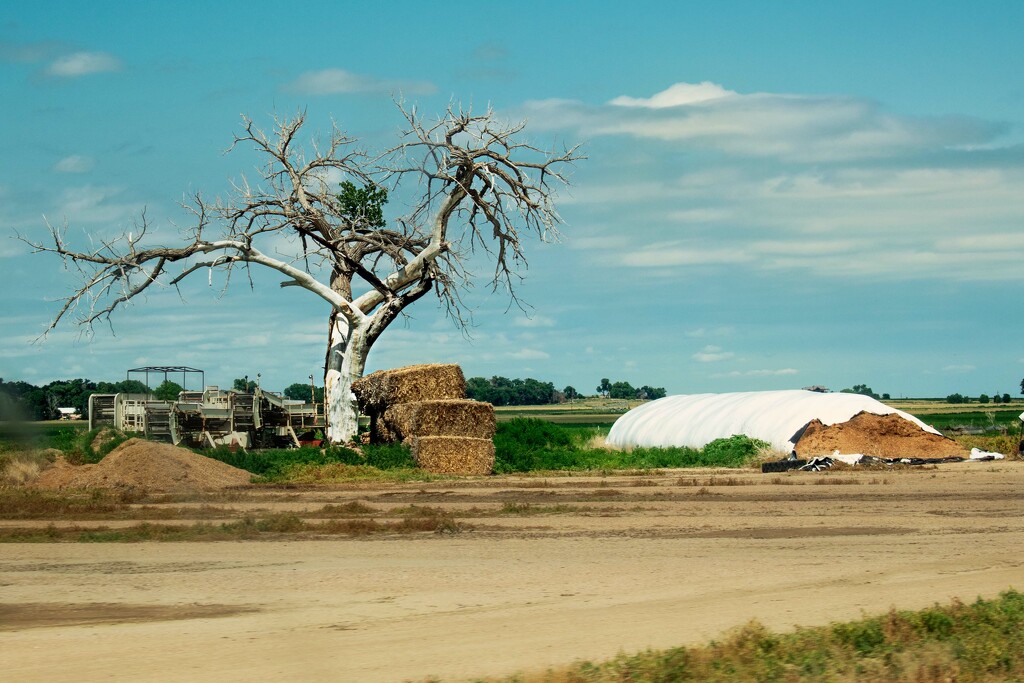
pixel 615 564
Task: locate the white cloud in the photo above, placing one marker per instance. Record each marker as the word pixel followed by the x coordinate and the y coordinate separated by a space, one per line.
pixel 796 127
pixel 712 354
pixel 529 354
pixel 677 95
pixel 758 373
pixel 75 163
pixel 958 368
pixel 961 223
pixel 340 81
pixel 700 332
pixel 95 204
pixel 82 64
pixel 680 254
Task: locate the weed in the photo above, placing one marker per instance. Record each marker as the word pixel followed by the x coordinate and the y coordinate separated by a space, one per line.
pixel 836 481
pixel 249 527
pixel 979 642
pixel 19 468
pixel 347 510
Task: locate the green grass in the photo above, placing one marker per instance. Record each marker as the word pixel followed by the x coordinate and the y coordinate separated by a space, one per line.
pixel 62 435
pixel 530 444
pixel 983 641
pixel 988 420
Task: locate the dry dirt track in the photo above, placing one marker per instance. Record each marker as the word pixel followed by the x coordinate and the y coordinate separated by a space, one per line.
pixel 626 563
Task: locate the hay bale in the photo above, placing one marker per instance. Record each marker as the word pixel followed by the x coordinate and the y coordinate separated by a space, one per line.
pixel 384 388
pixel 454 454
pixel 446 417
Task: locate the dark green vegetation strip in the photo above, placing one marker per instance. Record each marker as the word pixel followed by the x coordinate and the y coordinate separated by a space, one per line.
pixel 989 420
pixel 983 641
pixel 531 444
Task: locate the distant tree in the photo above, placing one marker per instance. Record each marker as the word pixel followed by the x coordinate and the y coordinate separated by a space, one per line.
pixel 1006 398
pixel 622 390
pixel 651 393
pixel 126 386
pixel 862 389
pixel 167 391
pixel 302 392
pixel 244 384
pixel 885 397
pixel 478 388
pixel 605 387
pixel 984 398
pixel 502 391
pixel 23 401
pixel 570 393
pixel 72 393
pixel 956 398
pixel 1022 386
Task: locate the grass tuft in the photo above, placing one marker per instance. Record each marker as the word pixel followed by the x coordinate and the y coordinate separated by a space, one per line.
pixel 983 641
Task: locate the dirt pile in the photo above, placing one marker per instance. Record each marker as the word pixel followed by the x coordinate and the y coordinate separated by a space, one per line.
pixel 149 466
pixel 883 436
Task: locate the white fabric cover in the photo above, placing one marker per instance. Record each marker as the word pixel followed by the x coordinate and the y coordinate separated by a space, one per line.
pixel 774 416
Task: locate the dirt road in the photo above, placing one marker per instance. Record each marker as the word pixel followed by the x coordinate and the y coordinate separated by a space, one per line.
pixel 553 570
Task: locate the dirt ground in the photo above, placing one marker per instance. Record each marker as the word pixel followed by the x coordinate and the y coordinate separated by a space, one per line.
pixel 597 565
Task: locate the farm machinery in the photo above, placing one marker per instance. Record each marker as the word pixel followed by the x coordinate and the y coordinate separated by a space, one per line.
pixel 211 417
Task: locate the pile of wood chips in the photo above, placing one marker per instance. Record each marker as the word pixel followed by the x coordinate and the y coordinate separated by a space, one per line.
pixel 883 436
pixel 424 406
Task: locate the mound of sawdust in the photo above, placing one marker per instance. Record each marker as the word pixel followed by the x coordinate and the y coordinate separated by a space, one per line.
pixel 883 436
pixel 149 466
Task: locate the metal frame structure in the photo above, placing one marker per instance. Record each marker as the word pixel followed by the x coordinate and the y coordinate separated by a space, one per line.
pixel 166 369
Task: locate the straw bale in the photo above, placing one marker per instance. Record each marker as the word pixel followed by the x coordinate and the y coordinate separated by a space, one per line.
pixel 446 417
pixel 454 454
pixel 378 390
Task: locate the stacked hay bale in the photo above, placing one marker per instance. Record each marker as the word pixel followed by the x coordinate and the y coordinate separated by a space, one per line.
pixel 424 406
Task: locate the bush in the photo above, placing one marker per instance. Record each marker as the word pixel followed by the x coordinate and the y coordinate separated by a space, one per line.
pixel 525 444
pixel 274 464
pixel 389 456
pixel 529 444
pixel 735 451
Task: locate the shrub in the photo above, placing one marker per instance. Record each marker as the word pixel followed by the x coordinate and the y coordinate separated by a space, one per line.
pixel 525 444
pixel 388 456
pixel 529 444
pixel 274 464
pixel 734 451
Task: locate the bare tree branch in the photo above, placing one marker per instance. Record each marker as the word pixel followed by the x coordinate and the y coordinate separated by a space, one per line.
pixel 480 186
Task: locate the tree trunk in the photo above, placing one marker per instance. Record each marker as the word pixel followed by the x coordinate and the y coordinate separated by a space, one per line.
pixel 347 349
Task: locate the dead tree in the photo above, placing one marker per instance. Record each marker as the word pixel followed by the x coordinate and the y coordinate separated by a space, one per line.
pixel 480 188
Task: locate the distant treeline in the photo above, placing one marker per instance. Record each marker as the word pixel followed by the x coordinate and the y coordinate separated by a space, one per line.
pixel 24 401
pixel 502 391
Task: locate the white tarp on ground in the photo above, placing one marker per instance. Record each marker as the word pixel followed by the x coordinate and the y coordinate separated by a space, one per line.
pixel 774 416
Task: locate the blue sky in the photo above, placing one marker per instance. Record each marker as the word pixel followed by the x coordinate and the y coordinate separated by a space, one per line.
pixel 776 194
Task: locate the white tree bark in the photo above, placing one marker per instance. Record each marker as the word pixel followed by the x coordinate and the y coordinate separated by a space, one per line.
pixel 345 364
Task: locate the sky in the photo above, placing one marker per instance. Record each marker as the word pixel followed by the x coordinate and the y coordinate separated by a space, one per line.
pixel 774 195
